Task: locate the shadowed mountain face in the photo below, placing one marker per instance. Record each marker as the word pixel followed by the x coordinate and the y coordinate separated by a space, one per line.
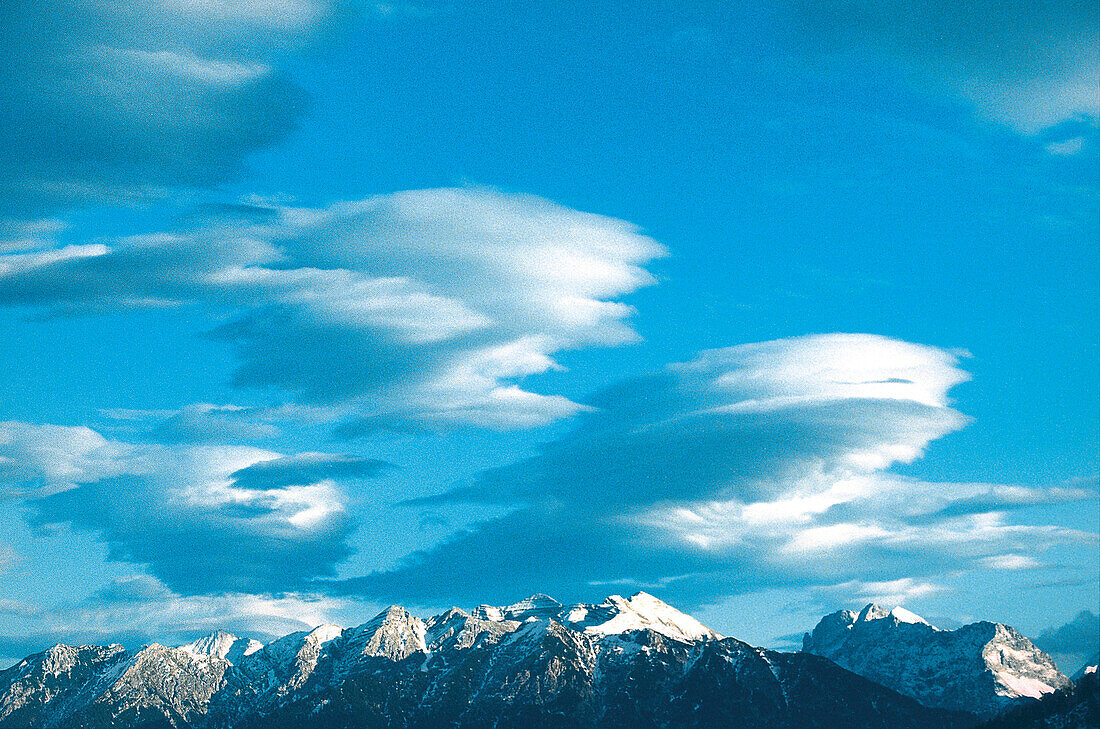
pixel 984 668
pixel 629 663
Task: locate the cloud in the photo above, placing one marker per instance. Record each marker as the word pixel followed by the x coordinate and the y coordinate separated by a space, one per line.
pixel 145 604
pixel 56 457
pixel 206 423
pixel 756 466
pixel 210 423
pixel 426 306
pixel 116 102
pixel 306 468
pixel 1074 644
pixel 138 609
pixel 1010 562
pixel 1028 64
pixel 744 422
pixel 203 518
pixel 859 593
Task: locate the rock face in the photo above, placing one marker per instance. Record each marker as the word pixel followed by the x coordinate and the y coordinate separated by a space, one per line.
pixel 985 668
pixel 625 663
pixel 1074 707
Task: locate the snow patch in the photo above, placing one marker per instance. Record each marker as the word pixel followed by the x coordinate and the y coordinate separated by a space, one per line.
pixel 904 616
pixel 645 612
pixel 1022 686
pixel 324 633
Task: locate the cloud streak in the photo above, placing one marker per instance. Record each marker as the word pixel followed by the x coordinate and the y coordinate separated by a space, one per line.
pixel 425 306
pixel 1027 64
pixel 763 465
pixel 149 611
pixel 119 102
pixel 203 518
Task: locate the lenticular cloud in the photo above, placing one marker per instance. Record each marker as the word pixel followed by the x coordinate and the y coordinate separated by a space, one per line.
pixel 751 422
pixel 760 465
pixel 423 306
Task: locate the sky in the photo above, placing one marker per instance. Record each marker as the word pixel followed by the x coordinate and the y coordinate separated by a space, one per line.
pixel 308 307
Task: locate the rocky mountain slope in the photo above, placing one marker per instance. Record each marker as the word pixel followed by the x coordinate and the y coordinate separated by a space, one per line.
pixel 1074 707
pixel 985 668
pixel 629 663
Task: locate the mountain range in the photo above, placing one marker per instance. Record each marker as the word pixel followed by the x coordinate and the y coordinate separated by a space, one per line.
pixel 624 663
pixel 984 668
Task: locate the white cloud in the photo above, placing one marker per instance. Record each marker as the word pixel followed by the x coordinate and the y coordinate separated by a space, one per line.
pixel 427 305
pixel 19 262
pixel 1067 147
pixel 891 593
pixel 188 66
pixel 55 457
pixel 756 466
pixel 139 609
pixel 273 15
pixel 1010 562
pixel 204 518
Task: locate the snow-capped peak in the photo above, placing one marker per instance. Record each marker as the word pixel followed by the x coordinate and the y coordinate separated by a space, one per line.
pixel 904 616
pixel 394 633
pixel 944 668
pixel 222 645
pixel 641 612
pixel 900 614
pixel 323 634
pixel 614 616
pixel 537 606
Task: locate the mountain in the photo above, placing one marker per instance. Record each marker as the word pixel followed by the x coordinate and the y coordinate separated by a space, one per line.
pixel 1075 644
pixel 985 668
pixel 1090 667
pixel 621 664
pixel 1074 707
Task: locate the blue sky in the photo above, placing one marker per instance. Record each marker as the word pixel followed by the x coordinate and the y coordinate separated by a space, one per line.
pixel 310 306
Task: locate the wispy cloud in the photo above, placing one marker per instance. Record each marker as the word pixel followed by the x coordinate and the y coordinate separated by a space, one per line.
pixel 1026 64
pixel 755 466
pixel 204 518
pixel 427 306
pixel 139 609
pixel 857 593
pixel 117 102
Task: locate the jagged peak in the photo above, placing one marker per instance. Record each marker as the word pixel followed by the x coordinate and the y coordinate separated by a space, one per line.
pixel 453 612
pixel 874 611
pixel 394 615
pixel 880 644
pixel 323 633
pixel 537 605
pixel 614 616
pixel 487 612
pixel 643 611
pixel 394 633
pixel 222 644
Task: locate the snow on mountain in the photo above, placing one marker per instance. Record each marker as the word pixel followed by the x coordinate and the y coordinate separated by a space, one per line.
pixel 623 662
pixel 394 634
pixel 899 614
pixel 641 612
pixel 614 616
pixel 1076 706
pixel 223 645
pixel 983 667
pixel 1090 666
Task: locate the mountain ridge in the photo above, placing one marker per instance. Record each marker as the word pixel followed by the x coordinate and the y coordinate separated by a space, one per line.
pixel 625 662
pixel 995 667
